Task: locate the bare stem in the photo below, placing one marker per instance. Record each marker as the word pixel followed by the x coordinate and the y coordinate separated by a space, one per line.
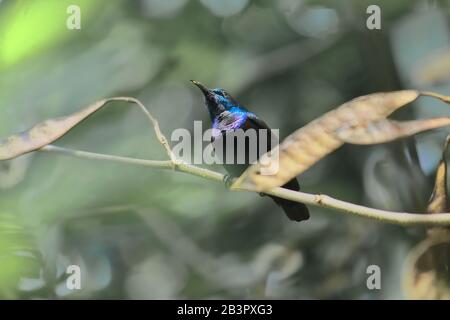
pixel 161 137
pixel 400 218
pixel 160 164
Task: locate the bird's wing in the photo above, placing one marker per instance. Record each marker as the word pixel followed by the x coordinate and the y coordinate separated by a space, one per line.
pixel 256 123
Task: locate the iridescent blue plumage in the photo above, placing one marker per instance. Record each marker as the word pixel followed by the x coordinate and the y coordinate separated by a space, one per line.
pixel 227 115
pixel 231 119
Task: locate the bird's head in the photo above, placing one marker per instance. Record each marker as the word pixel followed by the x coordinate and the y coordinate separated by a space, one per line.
pixel 216 100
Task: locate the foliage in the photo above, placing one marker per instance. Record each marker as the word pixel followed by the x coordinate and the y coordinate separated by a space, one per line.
pixel 154 234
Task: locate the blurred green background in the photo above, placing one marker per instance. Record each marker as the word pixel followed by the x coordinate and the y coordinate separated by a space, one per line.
pixel 289 61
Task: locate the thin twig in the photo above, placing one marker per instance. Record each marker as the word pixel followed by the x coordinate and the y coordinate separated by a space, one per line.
pixel 161 164
pixel 161 137
pixel 400 218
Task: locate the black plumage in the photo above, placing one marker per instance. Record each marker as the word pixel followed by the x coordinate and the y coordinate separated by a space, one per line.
pixel 227 117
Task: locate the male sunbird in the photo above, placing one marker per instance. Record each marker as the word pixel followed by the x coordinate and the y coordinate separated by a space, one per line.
pixel 227 115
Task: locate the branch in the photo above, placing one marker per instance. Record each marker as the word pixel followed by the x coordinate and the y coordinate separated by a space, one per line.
pixel 41 135
pixel 399 218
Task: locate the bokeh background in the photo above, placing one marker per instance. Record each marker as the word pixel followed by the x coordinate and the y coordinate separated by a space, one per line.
pixel 143 233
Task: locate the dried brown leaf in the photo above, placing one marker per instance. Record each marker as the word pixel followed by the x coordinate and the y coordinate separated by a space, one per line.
pixel 439 198
pixel 426 270
pixel 44 133
pixel 387 130
pixel 361 121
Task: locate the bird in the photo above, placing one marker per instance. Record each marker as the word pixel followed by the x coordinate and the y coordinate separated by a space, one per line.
pixel 227 116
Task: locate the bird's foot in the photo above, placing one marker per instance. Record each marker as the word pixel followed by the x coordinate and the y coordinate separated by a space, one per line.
pixel 228 181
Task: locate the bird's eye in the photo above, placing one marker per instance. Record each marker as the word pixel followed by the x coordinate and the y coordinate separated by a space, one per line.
pixel 219 92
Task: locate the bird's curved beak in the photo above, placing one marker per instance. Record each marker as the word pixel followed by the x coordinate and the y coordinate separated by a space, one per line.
pixel 204 89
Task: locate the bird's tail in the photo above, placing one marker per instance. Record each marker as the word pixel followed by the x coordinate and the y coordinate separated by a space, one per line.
pixel 294 210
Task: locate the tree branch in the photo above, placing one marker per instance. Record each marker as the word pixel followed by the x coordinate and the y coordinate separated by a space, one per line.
pixel 399 218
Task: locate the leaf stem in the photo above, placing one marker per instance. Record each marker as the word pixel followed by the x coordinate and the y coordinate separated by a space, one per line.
pixel 163 164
